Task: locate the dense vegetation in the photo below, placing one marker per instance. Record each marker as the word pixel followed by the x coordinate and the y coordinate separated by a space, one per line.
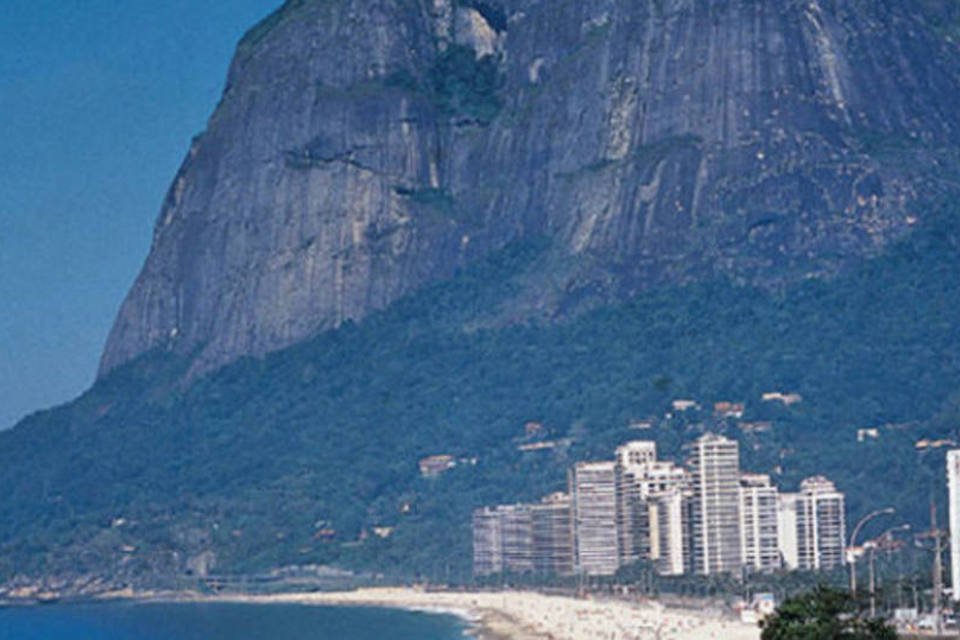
pixel 296 457
pixel 462 84
pixel 824 613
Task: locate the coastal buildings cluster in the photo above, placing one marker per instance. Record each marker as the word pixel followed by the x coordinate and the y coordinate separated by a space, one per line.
pixel 707 517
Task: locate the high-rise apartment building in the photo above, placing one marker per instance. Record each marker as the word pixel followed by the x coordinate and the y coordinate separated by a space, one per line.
pixel 516 526
pixel 953 498
pixel 813 526
pixel 759 527
pixel 715 507
pixel 487 545
pixel 502 540
pixel 821 525
pixel 663 488
pixel 552 535
pixel 593 495
pixel 668 538
pixel 649 507
pixel 633 518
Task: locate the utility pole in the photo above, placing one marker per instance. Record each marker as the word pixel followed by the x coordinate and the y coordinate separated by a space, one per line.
pixel 937 535
pixel 885 542
pixel 900 604
pixel 937 569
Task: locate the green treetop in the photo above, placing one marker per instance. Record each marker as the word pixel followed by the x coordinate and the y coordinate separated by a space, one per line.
pixel 823 614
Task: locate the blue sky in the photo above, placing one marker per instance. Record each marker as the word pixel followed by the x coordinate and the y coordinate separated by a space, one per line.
pixel 98 102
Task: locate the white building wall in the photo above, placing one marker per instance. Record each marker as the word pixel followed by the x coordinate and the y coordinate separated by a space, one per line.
pixel 670 548
pixel 812 526
pixel 487 542
pixel 516 531
pixel 822 525
pixel 716 506
pixel 593 492
pixel 633 524
pixel 552 535
pixel 636 453
pixel 787 530
pixel 759 515
pixel 953 498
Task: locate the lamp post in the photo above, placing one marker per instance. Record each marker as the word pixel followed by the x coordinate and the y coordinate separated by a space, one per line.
pixel 873 545
pixel 853 540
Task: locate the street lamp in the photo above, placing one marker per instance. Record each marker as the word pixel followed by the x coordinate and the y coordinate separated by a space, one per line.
pixel 853 539
pixel 873 545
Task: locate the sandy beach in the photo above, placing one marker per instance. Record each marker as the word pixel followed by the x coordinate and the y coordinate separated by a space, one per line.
pixel 521 615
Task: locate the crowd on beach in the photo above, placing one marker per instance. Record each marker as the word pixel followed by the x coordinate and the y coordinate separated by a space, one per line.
pixel 528 616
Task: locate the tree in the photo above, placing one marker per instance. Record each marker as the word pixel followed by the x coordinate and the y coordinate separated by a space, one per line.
pixel 823 614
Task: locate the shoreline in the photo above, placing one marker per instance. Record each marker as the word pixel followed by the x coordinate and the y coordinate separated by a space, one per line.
pixel 499 615
pixel 515 615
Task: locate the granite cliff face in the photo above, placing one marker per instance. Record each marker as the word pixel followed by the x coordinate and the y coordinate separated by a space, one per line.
pixel 364 148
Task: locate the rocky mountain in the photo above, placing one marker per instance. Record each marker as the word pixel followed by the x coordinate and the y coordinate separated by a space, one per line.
pixel 719 200
pixel 363 149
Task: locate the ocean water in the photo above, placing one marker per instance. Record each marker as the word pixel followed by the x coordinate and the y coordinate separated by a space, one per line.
pixel 149 621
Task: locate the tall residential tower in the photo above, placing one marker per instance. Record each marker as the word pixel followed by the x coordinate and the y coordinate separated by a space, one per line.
pixel 715 508
pixel 759 530
pixel 593 495
pixel 813 526
pixel 552 535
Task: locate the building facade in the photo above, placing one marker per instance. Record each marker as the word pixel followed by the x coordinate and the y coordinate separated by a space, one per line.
pixel 759 527
pixel 669 534
pixel 650 497
pixel 813 526
pixel 502 540
pixel 787 530
pixel 663 487
pixel 953 498
pixel 516 525
pixel 552 535
pixel 593 495
pixel 487 544
pixel 715 508
pixel 633 518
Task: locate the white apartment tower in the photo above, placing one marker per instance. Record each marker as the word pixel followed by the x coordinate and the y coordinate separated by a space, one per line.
pixel 650 497
pixel 633 518
pixel 715 508
pixel 487 546
pixel 821 525
pixel 813 526
pixel 953 499
pixel 759 527
pixel 662 488
pixel 552 535
pixel 593 495
pixel 667 543
pixel 502 540
pixel 516 526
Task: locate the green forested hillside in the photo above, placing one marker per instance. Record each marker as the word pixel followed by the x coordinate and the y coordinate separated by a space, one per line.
pixel 289 459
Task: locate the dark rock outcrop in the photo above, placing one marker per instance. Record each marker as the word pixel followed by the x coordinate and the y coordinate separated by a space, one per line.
pixel 364 148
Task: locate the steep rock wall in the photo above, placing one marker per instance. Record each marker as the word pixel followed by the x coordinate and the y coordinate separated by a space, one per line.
pixel 362 149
